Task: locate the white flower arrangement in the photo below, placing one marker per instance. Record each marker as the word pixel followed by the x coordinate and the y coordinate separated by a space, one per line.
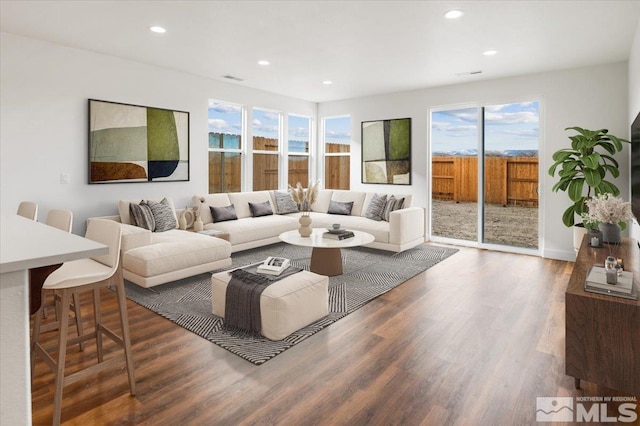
pixel 304 198
pixel 606 208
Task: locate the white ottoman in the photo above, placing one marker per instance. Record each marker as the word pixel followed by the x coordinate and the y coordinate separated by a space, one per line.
pixel 285 306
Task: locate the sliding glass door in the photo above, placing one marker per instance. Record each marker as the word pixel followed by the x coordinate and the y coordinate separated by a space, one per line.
pixel 486 156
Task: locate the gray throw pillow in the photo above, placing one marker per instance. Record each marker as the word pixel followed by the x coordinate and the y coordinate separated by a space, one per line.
pixel 142 216
pixel 376 207
pixel 392 204
pixel 260 209
pixel 284 203
pixel 162 215
pixel 223 214
pixel 337 207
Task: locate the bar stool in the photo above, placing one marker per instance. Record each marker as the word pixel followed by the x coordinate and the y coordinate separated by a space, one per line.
pixel 83 275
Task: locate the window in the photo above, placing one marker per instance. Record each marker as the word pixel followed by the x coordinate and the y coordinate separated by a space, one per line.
pixel 266 149
pixel 298 149
pixel 337 148
pixel 225 147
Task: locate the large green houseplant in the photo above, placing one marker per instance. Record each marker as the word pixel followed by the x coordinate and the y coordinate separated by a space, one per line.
pixel 584 167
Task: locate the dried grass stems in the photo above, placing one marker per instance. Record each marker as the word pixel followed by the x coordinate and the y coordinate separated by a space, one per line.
pixel 304 197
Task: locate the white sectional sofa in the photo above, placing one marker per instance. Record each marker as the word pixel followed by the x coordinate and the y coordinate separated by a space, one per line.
pixel 154 258
pixel 405 228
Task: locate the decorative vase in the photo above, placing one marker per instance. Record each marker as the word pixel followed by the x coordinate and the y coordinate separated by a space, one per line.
pixel 182 222
pixel 198 225
pixel 305 226
pixel 610 232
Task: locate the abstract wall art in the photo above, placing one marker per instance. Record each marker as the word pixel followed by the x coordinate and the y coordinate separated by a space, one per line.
pixel 132 143
pixel 386 151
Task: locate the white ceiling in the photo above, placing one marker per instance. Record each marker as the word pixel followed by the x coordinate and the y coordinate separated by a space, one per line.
pixel 364 47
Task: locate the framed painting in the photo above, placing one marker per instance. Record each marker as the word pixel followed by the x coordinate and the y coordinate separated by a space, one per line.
pixel 132 143
pixel 386 151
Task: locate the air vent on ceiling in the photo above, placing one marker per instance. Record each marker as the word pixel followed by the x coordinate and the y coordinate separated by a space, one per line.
pixel 230 77
pixel 462 74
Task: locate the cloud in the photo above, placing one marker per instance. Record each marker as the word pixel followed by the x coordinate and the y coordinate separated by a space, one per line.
pixel 271 116
pixel 257 122
pixel 454 130
pixel 299 132
pixel 332 134
pixel 511 117
pixel 524 133
pixel 224 108
pixel 217 124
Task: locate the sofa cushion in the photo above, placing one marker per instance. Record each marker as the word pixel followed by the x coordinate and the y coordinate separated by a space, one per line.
pixel 375 209
pixel 260 228
pixel 392 204
pixel 284 203
pixel 125 217
pixel 142 216
pixel 260 209
pixel 223 214
pixel 322 202
pixel 163 214
pixel 346 196
pixel 241 201
pixel 209 200
pixel 337 207
pixel 175 250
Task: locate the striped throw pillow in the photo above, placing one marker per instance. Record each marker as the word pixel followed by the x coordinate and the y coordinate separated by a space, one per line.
pixel 142 216
pixel 392 204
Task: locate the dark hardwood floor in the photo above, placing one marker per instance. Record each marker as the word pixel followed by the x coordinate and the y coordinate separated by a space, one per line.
pixel 471 341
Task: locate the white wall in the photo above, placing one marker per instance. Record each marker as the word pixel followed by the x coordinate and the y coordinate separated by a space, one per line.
pixel 634 99
pixel 44 89
pixel 594 97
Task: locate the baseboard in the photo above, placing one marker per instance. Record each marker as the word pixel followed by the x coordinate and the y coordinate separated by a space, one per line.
pixel 569 256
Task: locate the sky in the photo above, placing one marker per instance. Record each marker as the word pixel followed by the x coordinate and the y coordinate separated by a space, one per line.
pixel 507 127
pixel 227 118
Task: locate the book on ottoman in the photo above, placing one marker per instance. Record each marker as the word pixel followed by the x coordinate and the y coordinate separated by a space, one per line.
pixel 274 265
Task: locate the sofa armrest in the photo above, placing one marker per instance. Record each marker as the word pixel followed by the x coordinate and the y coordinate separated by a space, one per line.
pixel 406 225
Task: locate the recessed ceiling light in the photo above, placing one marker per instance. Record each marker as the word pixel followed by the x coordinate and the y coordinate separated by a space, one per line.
pixel 327 82
pixel 489 52
pixel 453 14
pixel 264 63
pixel 158 30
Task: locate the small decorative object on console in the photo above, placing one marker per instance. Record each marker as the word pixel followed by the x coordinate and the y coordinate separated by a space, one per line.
pixel 274 265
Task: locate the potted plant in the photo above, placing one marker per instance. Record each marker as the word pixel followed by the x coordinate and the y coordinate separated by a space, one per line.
pixel 583 170
pixel 610 213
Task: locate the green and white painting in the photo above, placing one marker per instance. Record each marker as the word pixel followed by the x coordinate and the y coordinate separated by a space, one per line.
pixel 386 151
pixel 130 143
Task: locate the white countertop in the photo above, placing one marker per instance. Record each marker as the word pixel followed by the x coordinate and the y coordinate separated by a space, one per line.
pixel 26 244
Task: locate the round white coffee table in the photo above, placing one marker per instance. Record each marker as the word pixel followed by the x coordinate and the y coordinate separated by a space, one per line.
pixel 326 258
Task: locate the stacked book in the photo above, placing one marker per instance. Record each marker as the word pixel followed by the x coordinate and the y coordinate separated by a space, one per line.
pixel 273 265
pixel 342 235
pixel 596 282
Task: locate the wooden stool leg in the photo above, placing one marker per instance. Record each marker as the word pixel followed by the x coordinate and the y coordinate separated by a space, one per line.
pixel 62 353
pixel 124 322
pixel 78 317
pixel 35 339
pixel 97 318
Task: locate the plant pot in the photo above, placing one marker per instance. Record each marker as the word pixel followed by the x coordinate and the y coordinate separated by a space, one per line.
pixel 578 233
pixel 305 229
pixel 610 232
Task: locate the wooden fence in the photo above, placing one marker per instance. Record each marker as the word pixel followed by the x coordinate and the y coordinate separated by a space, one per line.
pixel 508 180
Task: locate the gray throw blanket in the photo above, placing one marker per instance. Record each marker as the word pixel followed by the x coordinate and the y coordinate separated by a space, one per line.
pixel 242 305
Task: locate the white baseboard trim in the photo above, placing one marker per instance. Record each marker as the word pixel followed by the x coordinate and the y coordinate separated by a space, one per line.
pixel 569 256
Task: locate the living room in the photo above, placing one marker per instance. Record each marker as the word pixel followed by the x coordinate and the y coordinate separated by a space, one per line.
pixel 44 91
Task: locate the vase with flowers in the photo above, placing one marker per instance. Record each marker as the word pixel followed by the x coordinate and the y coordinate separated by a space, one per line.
pixel 611 214
pixel 198 225
pixel 304 198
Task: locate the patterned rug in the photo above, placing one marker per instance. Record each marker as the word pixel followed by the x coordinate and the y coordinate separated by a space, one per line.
pixel 368 273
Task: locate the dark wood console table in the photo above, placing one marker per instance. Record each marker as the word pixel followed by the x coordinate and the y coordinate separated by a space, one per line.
pixel 603 332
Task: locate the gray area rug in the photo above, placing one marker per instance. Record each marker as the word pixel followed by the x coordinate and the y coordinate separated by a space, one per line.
pixel 368 273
